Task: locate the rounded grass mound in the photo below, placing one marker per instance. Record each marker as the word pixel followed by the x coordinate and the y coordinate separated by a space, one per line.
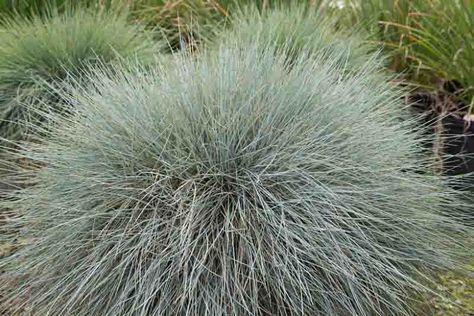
pixel 37 53
pixel 230 184
pixel 296 29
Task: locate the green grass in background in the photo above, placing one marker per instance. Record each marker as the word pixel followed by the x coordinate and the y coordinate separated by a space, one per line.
pixel 297 30
pixel 37 53
pixel 430 41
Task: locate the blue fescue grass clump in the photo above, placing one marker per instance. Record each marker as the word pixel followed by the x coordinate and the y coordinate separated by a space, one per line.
pixel 229 183
pixel 295 29
pixel 38 52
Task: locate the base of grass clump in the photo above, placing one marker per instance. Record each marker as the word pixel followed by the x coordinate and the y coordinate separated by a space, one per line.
pixel 455 295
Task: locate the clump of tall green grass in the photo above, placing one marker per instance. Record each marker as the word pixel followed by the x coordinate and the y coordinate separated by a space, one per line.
pixel 37 52
pixel 230 183
pixel 30 8
pixel 430 41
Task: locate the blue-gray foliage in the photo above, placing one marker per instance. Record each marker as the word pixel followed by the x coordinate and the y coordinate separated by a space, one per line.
pixel 230 183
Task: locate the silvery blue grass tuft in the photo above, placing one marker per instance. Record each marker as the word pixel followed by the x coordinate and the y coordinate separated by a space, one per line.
pixel 295 29
pixel 230 183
